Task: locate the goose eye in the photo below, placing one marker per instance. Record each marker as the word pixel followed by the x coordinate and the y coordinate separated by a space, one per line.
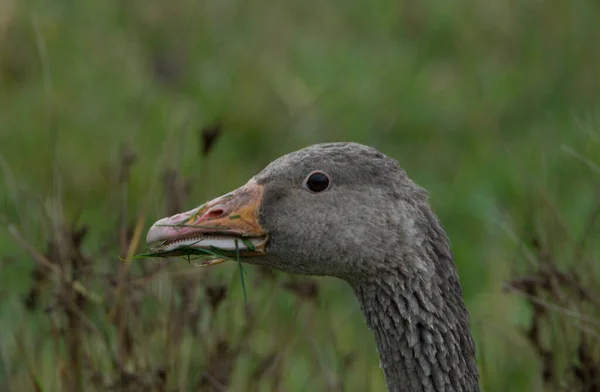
pixel 317 182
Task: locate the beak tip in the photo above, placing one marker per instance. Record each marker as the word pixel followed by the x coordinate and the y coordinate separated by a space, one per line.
pixel 151 236
pixel 155 232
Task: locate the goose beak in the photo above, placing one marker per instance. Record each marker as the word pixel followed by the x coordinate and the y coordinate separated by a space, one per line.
pixel 229 223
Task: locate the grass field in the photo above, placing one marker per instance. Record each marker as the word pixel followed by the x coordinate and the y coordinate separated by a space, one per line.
pixel 105 110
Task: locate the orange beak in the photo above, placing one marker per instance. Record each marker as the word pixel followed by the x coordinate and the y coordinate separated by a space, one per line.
pixel 228 223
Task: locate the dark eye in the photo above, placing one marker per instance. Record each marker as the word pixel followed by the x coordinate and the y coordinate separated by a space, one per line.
pixel 317 182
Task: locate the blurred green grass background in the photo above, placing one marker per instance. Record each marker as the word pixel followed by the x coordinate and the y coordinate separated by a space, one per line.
pixel 492 106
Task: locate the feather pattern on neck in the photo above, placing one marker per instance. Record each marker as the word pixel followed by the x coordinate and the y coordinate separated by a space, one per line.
pixel 419 320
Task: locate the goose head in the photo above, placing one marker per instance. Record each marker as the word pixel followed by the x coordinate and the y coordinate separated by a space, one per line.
pixel 334 209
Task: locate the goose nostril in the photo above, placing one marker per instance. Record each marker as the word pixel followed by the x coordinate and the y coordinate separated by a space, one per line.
pixel 214 214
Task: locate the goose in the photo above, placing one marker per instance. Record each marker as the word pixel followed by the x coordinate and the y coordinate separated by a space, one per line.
pixel 348 211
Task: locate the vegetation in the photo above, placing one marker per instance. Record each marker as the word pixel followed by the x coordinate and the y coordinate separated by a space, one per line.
pixel 116 113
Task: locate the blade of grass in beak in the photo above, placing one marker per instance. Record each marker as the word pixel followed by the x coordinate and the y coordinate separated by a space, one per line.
pixel 213 251
pixel 237 254
pixel 249 244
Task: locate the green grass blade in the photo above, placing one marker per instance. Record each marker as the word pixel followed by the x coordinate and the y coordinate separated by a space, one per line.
pixel 249 244
pixel 237 254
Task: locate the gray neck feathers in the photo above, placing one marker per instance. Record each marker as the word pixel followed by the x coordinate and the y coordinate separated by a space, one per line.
pixel 419 320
